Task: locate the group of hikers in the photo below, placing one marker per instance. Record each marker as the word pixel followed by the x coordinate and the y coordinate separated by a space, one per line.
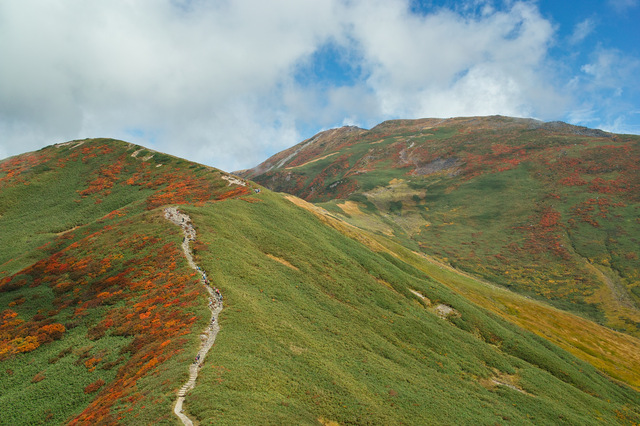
pixel 218 295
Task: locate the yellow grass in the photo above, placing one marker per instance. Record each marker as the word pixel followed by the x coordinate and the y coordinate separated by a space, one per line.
pixel 281 260
pixel 613 295
pixel 342 226
pixel 351 208
pixel 614 353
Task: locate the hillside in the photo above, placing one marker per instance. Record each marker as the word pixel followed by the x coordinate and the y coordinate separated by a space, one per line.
pixel 548 210
pixel 97 302
pixel 101 313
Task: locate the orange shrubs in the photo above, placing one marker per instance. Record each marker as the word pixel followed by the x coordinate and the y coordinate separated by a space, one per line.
pixel 94 386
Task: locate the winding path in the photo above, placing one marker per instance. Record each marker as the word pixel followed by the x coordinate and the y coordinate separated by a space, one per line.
pixel 209 334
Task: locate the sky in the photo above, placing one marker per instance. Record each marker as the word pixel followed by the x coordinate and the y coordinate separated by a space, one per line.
pixel 229 83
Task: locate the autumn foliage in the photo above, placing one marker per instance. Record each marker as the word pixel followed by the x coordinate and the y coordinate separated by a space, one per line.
pixel 122 275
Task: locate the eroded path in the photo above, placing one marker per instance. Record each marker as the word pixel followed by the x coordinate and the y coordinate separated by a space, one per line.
pixel 209 334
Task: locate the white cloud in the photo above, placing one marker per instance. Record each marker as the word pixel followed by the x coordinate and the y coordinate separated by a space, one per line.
pixel 611 69
pixel 450 64
pixel 607 86
pixel 76 68
pixel 216 81
pixel 581 31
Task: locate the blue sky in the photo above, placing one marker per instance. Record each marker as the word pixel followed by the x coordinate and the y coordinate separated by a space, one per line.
pixel 229 83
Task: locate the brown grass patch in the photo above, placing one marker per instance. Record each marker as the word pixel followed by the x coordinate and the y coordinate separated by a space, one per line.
pixel 68 230
pixel 281 260
pixel 339 225
pixel 297 350
pixel 503 379
pixel 351 208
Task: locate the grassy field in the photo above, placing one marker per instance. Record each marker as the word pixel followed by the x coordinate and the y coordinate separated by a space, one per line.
pixel 318 328
pixel 547 210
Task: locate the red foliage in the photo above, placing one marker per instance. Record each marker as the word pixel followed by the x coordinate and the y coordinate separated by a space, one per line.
pixel 14 167
pixel 50 332
pixel 152 277
pixel 107 177
pixel 94 386
pixel 501 158
pixel 187 189
pixel 236 192
pixel 609 186
pixel 588 211
pixel 319 183
pixel 549 218
pixel 545 236
pixel 573 180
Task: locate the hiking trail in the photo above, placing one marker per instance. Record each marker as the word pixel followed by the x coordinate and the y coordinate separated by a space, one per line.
pixel 208 336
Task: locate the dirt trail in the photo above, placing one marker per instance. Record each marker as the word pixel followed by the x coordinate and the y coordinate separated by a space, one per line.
pixel 209 334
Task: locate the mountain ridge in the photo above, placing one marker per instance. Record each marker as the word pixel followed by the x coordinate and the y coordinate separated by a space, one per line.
pixel 485 193
pixel 102 314
pixel 426 123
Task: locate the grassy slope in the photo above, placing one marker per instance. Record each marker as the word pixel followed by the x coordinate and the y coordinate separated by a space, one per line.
pixel 97 302
pixel 615 353
pixel 317 327
pixel 547 210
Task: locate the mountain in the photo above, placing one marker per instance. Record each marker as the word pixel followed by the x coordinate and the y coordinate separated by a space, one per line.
pixel 102 313
pixel 548 210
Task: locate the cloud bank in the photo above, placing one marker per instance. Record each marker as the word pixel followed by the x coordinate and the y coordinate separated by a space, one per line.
pixel 228 83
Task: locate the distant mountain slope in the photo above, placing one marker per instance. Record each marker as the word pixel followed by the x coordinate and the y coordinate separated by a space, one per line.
pixel 100 314
pixel 546 209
